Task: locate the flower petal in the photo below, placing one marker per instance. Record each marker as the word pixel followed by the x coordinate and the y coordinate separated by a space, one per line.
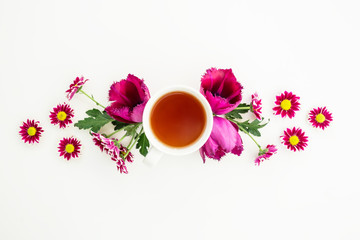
pixel 130 96
pixel 221 89
pixel 119 112
pixel 224 138
pixel 218 104
pixel 121 92
pixel 141 88
pixel 137 112
pixel 225 134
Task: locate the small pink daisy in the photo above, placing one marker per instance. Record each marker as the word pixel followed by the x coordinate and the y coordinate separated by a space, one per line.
pixel 286 104
pixel 69 148
pixel 256 105
pixel 30 131
pixel 75 86
pixel 294 139
pixel 115 152
pixel 61 115
pixel 265 154
pixel 320 117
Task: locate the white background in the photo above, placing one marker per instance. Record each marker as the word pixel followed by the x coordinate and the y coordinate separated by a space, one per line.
pixel 309 47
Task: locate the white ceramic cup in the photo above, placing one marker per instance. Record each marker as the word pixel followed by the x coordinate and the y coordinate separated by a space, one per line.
pixel 158 149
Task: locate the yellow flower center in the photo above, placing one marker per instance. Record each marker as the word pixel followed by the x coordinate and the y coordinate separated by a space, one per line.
pixel 31 131
pixel 69 148
pixel 320 118
pixel 294 140
pixel 285 104
pixel 61 115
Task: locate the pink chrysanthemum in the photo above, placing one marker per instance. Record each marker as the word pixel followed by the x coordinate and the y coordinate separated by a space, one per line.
pixel 286 104
pixel 265 154
pixel 115 152
pixel 294 139
pixel 256 105
pixel 320 117
pixel 69 148
pixel 61 115
pixel 30 131
pixel 75 86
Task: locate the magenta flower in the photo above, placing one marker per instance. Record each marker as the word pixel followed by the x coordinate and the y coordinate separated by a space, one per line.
pixel 129 98
pixel 30 131
pixel 294 139
pixel 75 86
pixel 224 138
pixel 286 104
pixel 221 89
pixel 256 105
pixel 109 147
pixel 62 115
pixel 320 117
pixel 69 148
pixel 265 154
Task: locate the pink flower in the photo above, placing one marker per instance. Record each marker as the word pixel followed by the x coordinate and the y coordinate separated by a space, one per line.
pixel 62 115
pixel 286 104
pixel 69 148
pixel 115 152
pixel 221 89
pixel 129 98
pixel 75 86
pixel 256 105
pixel 224 138
pixel 320 117
pixel 265 154
pixel 30 131
pixel 294 139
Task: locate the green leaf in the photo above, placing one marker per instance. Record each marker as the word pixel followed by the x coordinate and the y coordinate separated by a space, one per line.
pixel 96 120
pixel 243 108
pixel 254 132
pixel 240 109
pixel 253 127
pixel 131 129
pixel 233 115
pixel 143 144
pixel 119 125
pixel 93 112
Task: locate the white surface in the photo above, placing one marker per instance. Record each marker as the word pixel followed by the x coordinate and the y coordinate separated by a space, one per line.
pixel 308 47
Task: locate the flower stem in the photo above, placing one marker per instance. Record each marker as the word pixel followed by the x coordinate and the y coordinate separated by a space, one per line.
pixel 121 138
pixel 246 132
pixel 91 98
pixel 133 144
pixel 242 108
pixel 132 137
pixel 117 131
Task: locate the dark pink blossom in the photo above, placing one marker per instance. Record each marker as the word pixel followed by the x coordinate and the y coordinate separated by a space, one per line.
pixel 129 97
pixel 221 89
pixel 224 138
pixel 30 131
pixel 320 117
pixel 294 139
pixel 265 154
pixel 75 86
pixel 69 148
pixel 62 115
pixel 116 152
pixel 286 104
pixel 256 105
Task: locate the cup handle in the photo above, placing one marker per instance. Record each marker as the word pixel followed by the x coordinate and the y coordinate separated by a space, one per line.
pixel 153 157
